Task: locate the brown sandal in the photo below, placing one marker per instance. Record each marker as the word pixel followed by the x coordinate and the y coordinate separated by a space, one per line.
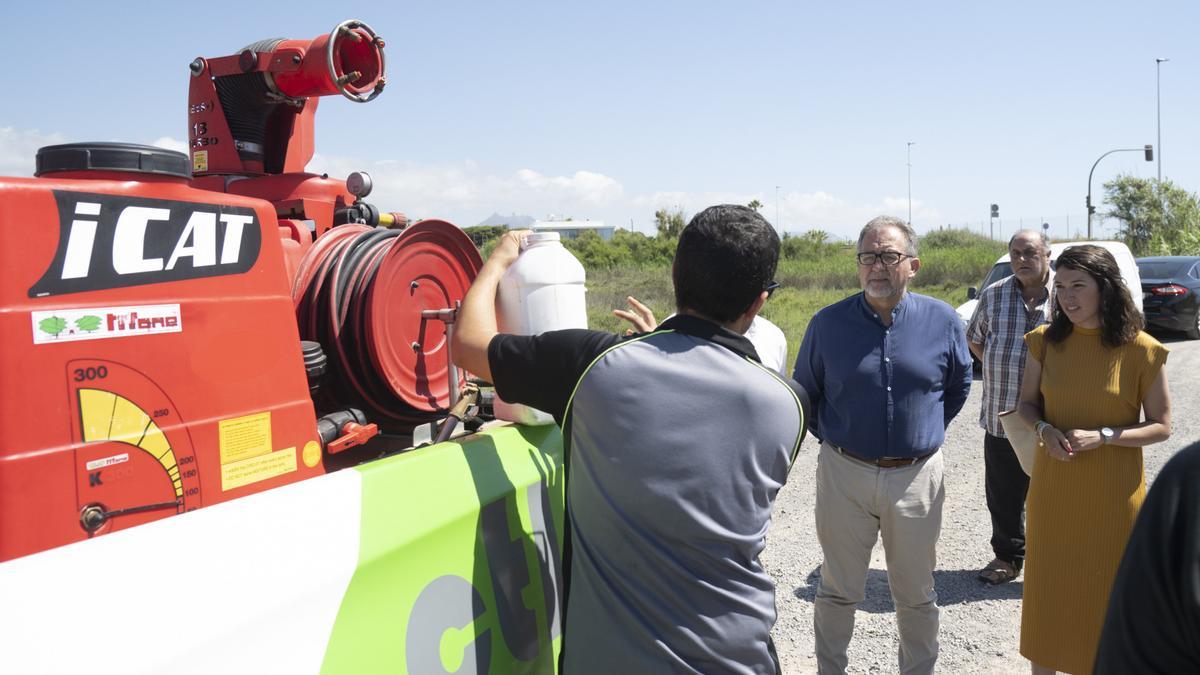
pixel 998 572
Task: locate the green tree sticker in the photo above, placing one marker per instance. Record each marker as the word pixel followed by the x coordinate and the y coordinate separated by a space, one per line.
pixel 52 325
pixel 88 323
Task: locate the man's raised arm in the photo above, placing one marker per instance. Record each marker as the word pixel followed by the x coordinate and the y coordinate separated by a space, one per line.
pixel 476 324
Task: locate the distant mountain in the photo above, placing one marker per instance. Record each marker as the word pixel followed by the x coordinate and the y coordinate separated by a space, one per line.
pixel 513 221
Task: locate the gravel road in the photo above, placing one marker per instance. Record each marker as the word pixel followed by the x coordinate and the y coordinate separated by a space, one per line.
pixel 980 624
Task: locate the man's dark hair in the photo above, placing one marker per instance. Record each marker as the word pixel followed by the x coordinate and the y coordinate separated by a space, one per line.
pixel 726 256
pixel 1120 320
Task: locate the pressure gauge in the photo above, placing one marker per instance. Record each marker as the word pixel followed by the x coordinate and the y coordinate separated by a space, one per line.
pixel 359 184
pixel 134 458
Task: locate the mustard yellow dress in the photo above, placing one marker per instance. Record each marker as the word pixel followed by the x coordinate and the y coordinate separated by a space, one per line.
pixel 1080 512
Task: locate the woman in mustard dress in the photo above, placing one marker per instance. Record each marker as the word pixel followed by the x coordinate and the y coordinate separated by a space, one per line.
pixel 1091 374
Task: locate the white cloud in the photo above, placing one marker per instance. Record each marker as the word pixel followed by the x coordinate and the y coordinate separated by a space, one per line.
pixel 18 149
pixel 587 186
pixel 466 192
pixel 798 211
pixel 168 143
pixel 821 210
pixel 690 202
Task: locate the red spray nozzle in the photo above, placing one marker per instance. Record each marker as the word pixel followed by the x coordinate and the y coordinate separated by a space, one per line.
pixel 348 61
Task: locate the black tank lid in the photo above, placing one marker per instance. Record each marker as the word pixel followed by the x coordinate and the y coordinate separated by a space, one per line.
pixel 112 157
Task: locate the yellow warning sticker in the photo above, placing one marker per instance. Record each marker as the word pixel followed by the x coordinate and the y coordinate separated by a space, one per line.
pixel 199 161
pixel 311 454
pixel 245 437
pixel 252 470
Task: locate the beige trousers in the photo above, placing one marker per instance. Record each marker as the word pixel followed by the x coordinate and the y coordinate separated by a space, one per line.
pixel 856 502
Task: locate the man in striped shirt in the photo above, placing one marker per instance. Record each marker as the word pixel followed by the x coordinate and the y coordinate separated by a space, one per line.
pixel 1006 311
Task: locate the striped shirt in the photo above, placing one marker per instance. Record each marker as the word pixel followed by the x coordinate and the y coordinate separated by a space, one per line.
pixel 1000 323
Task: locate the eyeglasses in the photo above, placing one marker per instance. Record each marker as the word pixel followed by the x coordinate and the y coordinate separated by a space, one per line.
pixel 1027 254
pixel 889 258
pixel 771 288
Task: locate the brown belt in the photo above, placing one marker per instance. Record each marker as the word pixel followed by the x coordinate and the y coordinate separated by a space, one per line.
pixel 882 462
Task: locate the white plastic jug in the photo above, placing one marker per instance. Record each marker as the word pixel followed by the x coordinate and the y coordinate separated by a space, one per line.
pixel 542 291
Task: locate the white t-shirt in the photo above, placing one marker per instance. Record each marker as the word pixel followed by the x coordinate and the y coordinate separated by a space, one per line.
pixel 770 343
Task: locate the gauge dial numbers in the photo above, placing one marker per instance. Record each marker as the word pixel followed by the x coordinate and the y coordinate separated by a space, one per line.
pixel 134 460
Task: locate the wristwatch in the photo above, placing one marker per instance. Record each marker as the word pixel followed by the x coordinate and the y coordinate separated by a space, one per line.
pixel 1107 434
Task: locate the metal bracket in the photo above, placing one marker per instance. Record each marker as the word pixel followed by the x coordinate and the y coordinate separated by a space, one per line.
pixel 447 316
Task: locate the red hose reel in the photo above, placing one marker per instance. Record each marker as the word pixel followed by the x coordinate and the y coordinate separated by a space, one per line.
pixel 361 291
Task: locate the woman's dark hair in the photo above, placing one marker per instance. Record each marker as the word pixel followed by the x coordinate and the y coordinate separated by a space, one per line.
pixel 726 256
pixel 1120 320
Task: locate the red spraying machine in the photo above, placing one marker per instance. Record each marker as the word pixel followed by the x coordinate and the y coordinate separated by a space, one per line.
pixel 213 325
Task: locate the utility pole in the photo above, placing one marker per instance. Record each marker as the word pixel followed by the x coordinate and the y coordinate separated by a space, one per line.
pixel 777 223
pixel 909 145
pixel 1147 150
pixel 1158 108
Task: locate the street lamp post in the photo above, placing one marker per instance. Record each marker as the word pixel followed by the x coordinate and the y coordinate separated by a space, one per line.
pixel 909 145
pixel 1158 109
pixel 1147 149
pixel 777 223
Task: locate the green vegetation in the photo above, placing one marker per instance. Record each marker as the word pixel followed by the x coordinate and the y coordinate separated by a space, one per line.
pixel 625 249
pixel 485 237
pixel 669 223
pixel 814 271
pixel 1157 218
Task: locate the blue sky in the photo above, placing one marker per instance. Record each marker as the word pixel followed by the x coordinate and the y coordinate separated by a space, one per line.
pixel 611 110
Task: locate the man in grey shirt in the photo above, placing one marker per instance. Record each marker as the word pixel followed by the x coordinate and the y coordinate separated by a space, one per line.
pixel 676 443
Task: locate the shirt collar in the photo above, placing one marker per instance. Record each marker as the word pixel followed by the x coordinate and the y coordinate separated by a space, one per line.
pixel 897 311
pixel 1015 285
pixel 703 328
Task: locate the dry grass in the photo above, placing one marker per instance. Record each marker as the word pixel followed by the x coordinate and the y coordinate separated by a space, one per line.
pixel 807 285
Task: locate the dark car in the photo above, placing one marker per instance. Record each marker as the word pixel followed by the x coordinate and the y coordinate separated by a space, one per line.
pixel 1171 292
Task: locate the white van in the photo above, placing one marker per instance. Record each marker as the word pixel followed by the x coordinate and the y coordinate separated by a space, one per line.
pixel 1002 269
